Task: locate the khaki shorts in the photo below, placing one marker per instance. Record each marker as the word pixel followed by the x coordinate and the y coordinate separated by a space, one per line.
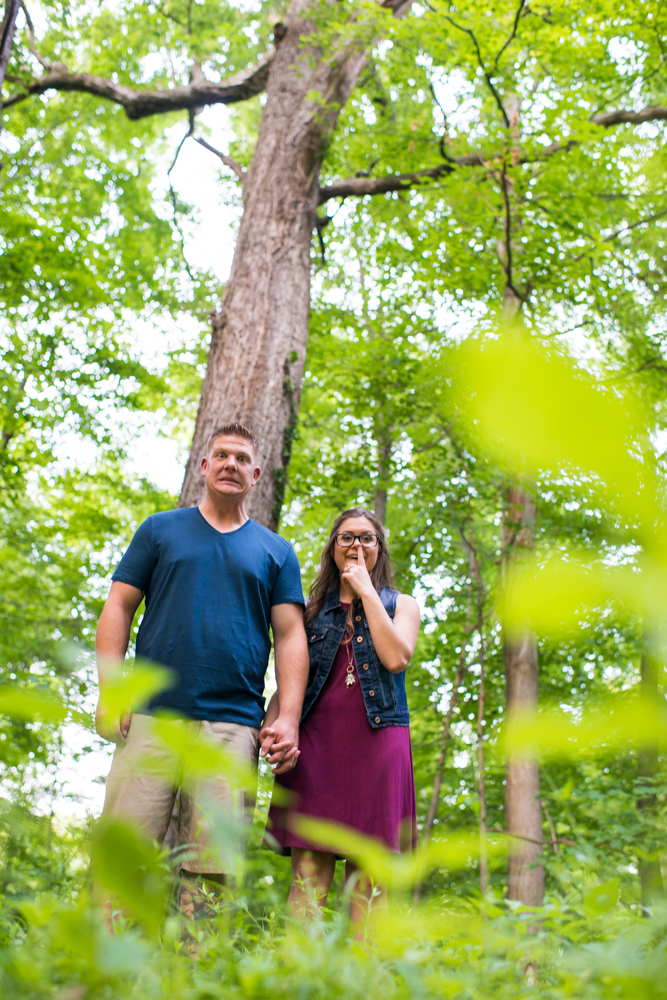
pixel 146 774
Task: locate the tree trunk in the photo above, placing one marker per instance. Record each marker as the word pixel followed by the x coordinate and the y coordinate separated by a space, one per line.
pixel 259 335
pixel 481 787
pixel 383 478
pixel 650 876
pixel 445 738
pixel 522 795
pixel 523 818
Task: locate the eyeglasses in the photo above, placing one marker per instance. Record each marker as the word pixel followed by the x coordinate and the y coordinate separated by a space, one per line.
pixel 367 539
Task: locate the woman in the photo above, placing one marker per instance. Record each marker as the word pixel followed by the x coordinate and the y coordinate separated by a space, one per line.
pixel 354 760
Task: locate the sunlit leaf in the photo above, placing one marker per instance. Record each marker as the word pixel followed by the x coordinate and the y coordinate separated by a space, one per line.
pixel 130 691
pixel 602 898
pixel 23 703
pixel 200 756
pixel 127 866
pixel 536 410
pixel 613 724
pixel 398 871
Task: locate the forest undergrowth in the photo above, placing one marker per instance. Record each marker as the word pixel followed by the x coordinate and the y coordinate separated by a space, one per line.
pixel 58 942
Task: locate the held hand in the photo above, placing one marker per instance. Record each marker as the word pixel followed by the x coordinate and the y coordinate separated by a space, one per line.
pixel 113 729
pixel 279 744
pixel 355 573
pixel 288 762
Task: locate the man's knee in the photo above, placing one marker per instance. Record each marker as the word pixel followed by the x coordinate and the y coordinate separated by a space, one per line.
pixel 199 894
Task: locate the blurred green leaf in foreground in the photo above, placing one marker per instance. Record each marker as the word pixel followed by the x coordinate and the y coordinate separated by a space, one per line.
pixel 540 415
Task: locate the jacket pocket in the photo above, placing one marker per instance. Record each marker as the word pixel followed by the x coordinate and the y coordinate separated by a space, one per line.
pixel 316 635
pixel 315 638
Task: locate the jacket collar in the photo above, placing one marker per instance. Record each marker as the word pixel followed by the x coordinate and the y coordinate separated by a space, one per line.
pixel 331 601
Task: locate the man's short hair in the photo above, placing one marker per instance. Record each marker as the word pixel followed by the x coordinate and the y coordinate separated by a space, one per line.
pixel 232 430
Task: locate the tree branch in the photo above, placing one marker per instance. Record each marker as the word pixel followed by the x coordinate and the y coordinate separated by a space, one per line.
pixel 507 237
pixel 172 193
pixel 227 160
pixel 522 4
pixel 359 186
pixel 142 103
pixel 653 113
pixel 31 40
pixel 640 222
pixel 517 836
pixel 12 8
pixel 487 76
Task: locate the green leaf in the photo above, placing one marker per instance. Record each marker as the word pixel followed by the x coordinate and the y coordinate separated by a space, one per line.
pixel 22 703
pixel 133 690
pixel 128 867
pixel 602 898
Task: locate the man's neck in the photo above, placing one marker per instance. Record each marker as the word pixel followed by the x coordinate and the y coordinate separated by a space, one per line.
pixel 222 514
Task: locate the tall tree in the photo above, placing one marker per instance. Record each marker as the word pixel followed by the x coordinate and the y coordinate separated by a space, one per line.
pixel 259 335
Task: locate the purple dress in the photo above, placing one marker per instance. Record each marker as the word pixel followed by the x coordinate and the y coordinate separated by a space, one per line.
pixel 348 772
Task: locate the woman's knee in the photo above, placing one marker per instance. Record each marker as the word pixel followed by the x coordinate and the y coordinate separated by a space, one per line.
pixel 312 866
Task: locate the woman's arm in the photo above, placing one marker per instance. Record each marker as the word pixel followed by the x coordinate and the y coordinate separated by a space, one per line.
pixel 395 640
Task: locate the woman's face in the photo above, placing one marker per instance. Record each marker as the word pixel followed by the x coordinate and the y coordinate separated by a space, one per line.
pixel 345 554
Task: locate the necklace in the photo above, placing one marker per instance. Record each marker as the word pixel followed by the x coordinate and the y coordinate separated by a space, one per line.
pixel 349 675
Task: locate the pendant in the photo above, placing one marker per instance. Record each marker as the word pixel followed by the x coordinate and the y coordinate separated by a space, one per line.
pixel 349 678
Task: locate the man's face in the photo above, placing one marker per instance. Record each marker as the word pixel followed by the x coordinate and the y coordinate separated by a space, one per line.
pixel 229 469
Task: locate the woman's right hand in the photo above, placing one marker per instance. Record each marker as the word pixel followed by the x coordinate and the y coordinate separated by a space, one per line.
pixel 355 573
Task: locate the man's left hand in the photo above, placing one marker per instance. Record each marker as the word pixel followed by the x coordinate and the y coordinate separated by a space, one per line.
pixel 279 743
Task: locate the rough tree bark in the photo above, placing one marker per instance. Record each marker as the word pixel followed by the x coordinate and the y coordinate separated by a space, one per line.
pixel 523 817
pixel 260 333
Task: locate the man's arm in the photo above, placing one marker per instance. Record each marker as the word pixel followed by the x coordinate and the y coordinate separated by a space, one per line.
pixel 280 734
pixel 111 642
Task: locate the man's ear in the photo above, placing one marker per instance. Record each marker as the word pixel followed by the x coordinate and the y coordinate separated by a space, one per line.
pixel 256 473
pixel 204 465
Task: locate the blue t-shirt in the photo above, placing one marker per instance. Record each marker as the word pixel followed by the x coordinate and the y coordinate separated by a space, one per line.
pixel 208 610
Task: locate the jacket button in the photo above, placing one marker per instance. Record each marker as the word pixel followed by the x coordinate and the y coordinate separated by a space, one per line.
pixel 365 666
pixel 372 694
pixel 358 618
pixel 360 638
pixel 377 718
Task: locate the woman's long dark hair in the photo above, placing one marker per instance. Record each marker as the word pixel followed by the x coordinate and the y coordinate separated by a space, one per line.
pixel 328 578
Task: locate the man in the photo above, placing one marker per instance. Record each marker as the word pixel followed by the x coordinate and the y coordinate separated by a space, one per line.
pixel 214 582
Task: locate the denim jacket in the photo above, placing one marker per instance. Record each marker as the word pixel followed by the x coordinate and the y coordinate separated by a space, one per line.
pixel 384 693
